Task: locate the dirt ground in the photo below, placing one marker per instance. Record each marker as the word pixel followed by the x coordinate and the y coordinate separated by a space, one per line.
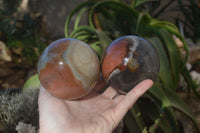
pixel 13 75
pixel 193 103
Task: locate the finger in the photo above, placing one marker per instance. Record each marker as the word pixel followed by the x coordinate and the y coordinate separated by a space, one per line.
pixel 117 114
pixel 134 94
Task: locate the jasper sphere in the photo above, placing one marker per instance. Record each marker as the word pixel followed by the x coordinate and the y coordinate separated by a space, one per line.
pixel 127 61
pixel 68 68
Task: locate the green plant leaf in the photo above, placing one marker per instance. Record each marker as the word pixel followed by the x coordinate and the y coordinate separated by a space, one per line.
pixel 173 53
pixel 161 24
pixel 169 99
pixel 165 73
pixel 105 40
pixel 189 81
pixel 32 83
pixel 161 98
pixel 173 30
pixel 79 7
pixel 180 105
pixel 82 30
pixel 142 17
pixel 152 110
pixel 162 123
pixel 79 16
pixel 111 4
pixel 131 123
pixel 96 46
pixel 137 3
pixel 138 118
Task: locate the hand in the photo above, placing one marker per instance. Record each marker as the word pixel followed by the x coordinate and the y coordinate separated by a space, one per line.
pixel 96 113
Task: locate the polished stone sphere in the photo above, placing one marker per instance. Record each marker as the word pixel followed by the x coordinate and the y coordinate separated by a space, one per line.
pixel 129 60
pixel 68 68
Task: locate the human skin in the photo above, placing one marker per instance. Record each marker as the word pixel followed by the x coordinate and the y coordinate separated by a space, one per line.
pixel 95 113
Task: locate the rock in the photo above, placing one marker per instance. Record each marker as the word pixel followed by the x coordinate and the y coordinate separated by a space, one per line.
pixel 19 74
pixel 4 56
pixel 194 54
pixel 192 102
pixel 195 77
pixel 55 13
pixel 25 128
pixel 5 72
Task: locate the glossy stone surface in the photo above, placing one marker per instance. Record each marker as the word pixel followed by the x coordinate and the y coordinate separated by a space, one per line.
pixel 129 60
pixel 68 68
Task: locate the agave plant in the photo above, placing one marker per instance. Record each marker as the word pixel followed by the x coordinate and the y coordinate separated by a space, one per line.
pixel 191 12
pixel 108 20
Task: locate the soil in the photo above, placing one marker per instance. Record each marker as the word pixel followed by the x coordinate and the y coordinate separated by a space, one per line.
pixel 192 102
pixel 14 74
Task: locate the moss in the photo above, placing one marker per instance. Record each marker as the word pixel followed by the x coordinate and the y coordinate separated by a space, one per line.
pixel 18 107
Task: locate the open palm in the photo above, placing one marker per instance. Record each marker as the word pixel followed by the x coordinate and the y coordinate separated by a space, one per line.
pixel 96 113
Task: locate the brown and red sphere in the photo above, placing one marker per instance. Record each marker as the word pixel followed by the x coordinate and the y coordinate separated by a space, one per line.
pixel 68 68
pixel 127 61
